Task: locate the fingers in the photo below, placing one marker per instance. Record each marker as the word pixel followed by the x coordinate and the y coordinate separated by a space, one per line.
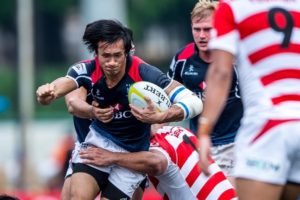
pixel 46 93
pixel 45 90
pixel 150 103
pixel 147 115
pixel 104 115
pixel 88 156
pixel 135 111
pixel 96 156
pixel 95 103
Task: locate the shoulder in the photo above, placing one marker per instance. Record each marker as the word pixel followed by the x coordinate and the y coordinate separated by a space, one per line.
pixel 186 51
pixel 83 66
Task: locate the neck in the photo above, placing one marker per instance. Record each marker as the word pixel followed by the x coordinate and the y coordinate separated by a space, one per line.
pixel 113 79
pixel 206 56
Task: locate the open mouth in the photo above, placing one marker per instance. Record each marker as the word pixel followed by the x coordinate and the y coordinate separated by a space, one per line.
pixel 202 44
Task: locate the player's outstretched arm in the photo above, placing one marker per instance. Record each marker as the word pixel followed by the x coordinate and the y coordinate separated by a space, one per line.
pixel 149 162
pixel 48 92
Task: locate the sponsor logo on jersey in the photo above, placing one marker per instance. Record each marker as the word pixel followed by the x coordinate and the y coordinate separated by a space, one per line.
pixel 97 94
pixel 122 114
pixel 263 165
pixel 80 68
pixel 176 131
pixel 117 107
pixel 191 71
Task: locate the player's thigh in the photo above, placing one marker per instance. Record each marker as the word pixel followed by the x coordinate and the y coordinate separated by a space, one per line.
pixel 83 186
pixel 291 192
pixel 250 189
pixel 138 193
pixel 66 190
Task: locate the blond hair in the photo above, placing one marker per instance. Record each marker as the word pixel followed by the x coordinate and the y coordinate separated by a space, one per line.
pixel 204 8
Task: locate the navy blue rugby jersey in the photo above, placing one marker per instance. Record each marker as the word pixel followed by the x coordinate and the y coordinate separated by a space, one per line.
pixel 82 125
pixel 190 70
pixel 124 130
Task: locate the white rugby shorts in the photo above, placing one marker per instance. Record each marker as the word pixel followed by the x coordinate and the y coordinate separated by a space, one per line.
pixel 223 155
pixel 124 179
pixel 274 156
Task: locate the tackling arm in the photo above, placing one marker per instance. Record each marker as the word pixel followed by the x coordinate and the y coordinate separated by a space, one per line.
pixel 150 162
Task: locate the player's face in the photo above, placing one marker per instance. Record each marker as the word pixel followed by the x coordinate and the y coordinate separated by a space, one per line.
pixel 201 31
pixel 112 58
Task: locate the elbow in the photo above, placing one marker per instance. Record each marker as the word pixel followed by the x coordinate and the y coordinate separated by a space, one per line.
pixel 70 106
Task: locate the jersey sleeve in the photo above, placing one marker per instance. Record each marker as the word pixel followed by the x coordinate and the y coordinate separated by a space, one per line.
pixel 154 75
pixel 81 74
pixel 224 36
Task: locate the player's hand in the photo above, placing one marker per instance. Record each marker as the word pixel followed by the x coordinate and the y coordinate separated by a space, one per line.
pixel 104 115
pixel 204 153
pixel 45 94
pixel 149 114
pixel 96 156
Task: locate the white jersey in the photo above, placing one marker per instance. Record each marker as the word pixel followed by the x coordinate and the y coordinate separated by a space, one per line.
pixel 264 37
pixel 183 178
pixel 268 55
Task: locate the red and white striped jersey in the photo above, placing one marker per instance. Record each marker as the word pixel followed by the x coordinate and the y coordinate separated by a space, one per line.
pixel 183 178
pixel 264 35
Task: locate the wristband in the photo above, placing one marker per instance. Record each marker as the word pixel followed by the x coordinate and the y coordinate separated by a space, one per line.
pixel 205 126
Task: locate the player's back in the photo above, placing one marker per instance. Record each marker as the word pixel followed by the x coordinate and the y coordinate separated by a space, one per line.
pixel 268 42
pixel 183 178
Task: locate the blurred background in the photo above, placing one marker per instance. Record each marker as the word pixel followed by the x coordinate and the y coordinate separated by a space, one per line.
pixel 39 40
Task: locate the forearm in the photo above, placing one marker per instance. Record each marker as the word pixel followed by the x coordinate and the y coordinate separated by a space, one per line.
pixel 218 79
pixel 80 108
pixel 186 104
pixel 175 113
pixel 77 105
pixel 63 86
pixel 144 162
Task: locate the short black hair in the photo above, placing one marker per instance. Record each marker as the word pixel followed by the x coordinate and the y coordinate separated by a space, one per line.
pixel 108 31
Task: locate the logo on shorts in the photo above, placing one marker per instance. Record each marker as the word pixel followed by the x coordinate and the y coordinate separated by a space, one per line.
pixel 264 165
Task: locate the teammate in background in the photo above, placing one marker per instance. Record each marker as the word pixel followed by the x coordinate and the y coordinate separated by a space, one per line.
pixel 264 39
pixel 172 164
pixel 189 66
pixel 119 127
